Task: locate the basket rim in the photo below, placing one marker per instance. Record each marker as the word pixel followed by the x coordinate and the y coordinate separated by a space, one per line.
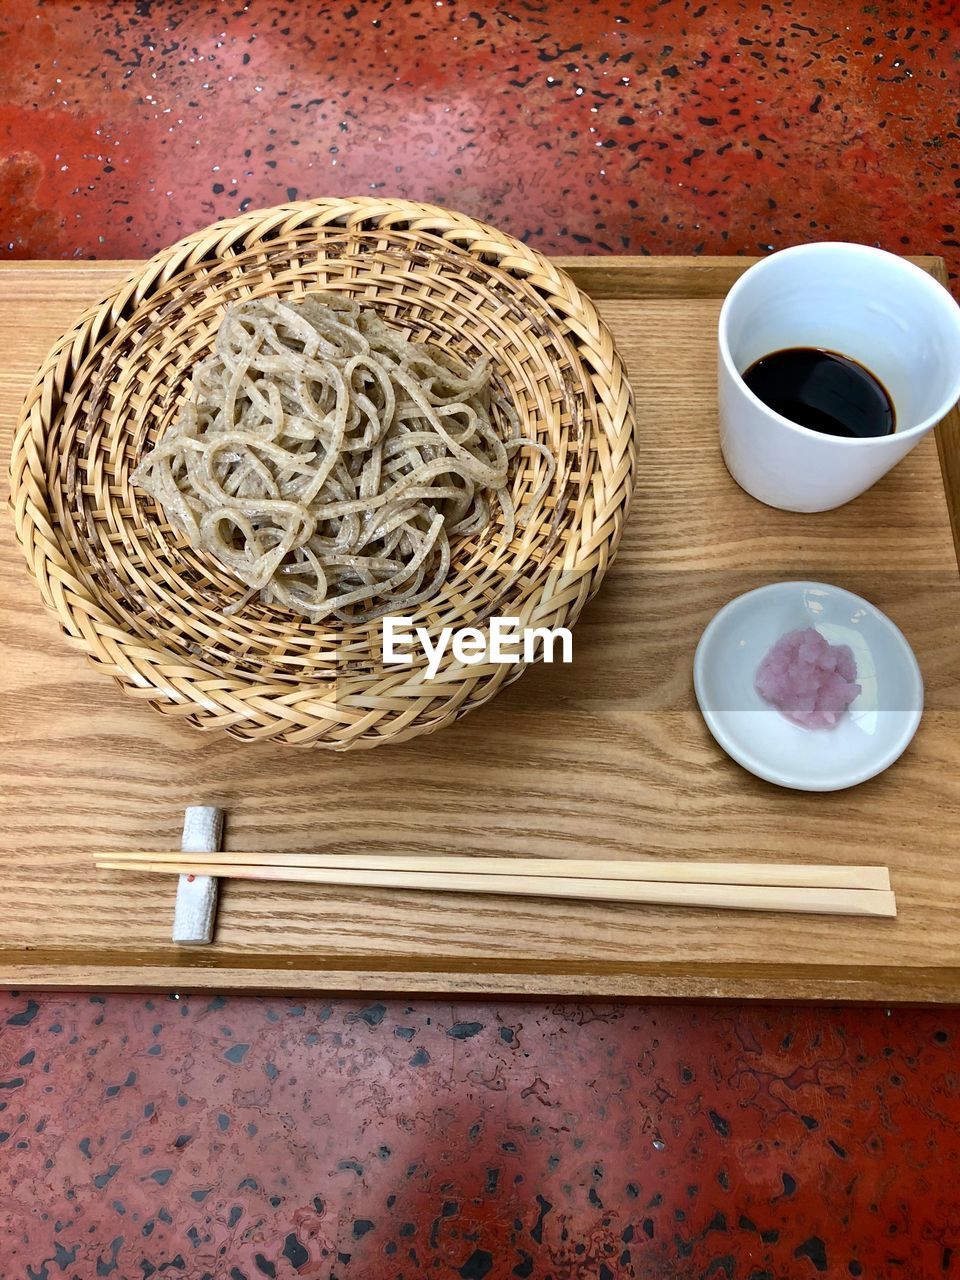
pixel 144 667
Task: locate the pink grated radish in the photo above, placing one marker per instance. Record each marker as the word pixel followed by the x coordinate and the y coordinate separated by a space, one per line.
pixel 809 680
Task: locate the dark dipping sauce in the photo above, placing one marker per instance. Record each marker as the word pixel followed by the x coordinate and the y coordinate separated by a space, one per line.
pixel 823 391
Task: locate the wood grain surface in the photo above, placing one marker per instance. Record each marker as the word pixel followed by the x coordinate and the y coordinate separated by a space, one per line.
pixel 605 758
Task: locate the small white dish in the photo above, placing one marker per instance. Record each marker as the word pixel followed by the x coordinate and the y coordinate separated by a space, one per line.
pixel 871 735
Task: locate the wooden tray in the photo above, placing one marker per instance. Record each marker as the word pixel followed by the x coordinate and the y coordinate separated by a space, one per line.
pixel 608 756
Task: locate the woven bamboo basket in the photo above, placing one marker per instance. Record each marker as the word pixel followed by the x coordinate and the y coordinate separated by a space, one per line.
pixel 149 610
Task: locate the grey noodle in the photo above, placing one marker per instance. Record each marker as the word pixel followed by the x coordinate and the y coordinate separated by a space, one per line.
pixel 330 464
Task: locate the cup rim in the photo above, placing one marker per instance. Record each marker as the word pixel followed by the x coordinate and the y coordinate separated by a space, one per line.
pixel 918 275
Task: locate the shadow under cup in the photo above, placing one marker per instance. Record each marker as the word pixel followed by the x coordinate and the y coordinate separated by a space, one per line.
pixel 878 309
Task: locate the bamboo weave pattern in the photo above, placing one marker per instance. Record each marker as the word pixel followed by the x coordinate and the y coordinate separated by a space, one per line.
pixel 144 606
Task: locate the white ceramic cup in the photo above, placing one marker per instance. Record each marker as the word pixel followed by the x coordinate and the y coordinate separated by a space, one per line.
pixel 876 308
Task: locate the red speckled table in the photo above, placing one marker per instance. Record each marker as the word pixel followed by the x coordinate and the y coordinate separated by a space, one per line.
pixel 248 1138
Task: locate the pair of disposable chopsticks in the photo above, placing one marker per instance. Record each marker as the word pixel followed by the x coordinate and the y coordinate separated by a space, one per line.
pixel 745 886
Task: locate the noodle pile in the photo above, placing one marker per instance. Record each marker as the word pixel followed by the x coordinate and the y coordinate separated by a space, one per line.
pixel 328 463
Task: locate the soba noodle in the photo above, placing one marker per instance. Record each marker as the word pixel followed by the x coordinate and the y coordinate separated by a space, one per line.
pixel 329 464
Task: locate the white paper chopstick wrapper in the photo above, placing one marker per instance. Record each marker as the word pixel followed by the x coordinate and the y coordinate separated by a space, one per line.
pixel 196 911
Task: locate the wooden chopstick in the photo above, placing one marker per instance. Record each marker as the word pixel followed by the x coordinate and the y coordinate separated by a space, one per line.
pixel 785 875
pixel 829 901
